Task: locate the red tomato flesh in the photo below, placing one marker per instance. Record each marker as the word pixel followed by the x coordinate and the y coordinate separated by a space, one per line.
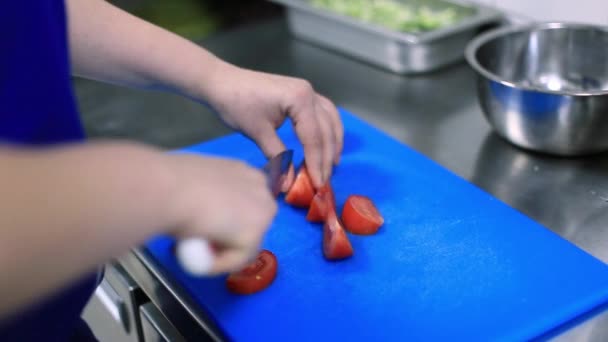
pixel 335 241
pixel 360 215
pixel 302 191
pixel 322 203
pixel 254 277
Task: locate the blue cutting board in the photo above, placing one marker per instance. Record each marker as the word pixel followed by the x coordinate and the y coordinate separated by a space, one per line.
pixel 451 262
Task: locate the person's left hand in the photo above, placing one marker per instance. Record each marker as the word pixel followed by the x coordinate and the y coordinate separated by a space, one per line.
pixel 257 103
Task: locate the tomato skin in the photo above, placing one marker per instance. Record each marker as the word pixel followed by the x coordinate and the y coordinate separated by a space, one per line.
pixel 336 244
pixel 302 191
pixel 330 191
pixel 322 203
pixel 360 215
pixel 255 276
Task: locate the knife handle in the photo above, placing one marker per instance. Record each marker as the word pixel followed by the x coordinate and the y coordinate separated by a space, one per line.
pixel 195 256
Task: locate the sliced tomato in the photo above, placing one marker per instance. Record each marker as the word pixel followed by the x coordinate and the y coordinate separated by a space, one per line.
pixel 332 198
pixel 322 203
pixel 254 277
pixel 335 241
pixel 360 215
pixel 302 191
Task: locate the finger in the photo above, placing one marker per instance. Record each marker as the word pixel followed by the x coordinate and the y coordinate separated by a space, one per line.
pixel 311 138
pixel 269 142
pixel 301 110
pixel 246 173
pixel 328 141
pixel 262 209
pixel 336 125
pixel 231 260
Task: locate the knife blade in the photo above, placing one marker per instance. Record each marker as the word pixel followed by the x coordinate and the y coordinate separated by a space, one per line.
pixel 196 255
pixel 276 169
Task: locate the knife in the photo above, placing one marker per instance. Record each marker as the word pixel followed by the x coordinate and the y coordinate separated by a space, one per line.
pixel 196 255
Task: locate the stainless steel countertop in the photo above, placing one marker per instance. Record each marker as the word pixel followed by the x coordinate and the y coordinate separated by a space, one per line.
pixel 436 114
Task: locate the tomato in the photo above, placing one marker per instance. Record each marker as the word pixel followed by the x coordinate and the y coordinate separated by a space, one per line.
pixel 360 215
pixel 332 198
pixel 302 191
pixel 335 241
pixel 254 277
pixel 322 203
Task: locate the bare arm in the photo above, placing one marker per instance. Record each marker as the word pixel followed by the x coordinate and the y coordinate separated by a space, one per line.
pixel 114 46
pixel 111 45
pixel 66 209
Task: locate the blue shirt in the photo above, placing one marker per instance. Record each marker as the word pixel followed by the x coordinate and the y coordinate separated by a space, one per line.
pixel 37 107
pixel 36 101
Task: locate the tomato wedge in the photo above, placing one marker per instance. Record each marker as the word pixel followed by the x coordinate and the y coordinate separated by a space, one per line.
pixel 323 201
pixel 254 277
pixel 335 241
pixel 360 215
pixel 302 191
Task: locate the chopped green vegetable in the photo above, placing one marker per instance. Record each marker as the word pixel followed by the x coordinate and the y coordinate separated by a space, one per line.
pixel 391 14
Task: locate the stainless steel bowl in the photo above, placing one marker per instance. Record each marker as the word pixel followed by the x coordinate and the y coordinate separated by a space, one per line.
pixel 544 87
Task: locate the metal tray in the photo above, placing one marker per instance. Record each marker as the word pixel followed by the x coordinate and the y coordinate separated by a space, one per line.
pixel 399 52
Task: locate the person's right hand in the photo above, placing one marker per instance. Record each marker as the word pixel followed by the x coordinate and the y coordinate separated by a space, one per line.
pixel 257 104
pixel 224 201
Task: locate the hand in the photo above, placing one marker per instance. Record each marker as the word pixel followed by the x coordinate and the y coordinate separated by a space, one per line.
pixel 225 202
pixel 256 104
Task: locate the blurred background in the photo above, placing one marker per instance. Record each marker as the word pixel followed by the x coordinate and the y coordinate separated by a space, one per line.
pixel 586 11
pixel 199 18
pixel 196 19
pixel 110 111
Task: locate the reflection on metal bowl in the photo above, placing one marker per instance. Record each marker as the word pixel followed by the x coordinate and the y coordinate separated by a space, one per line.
pixel 544 87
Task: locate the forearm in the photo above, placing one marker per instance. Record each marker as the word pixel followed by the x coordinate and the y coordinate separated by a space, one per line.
pixel 66 210
pixel 111 45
